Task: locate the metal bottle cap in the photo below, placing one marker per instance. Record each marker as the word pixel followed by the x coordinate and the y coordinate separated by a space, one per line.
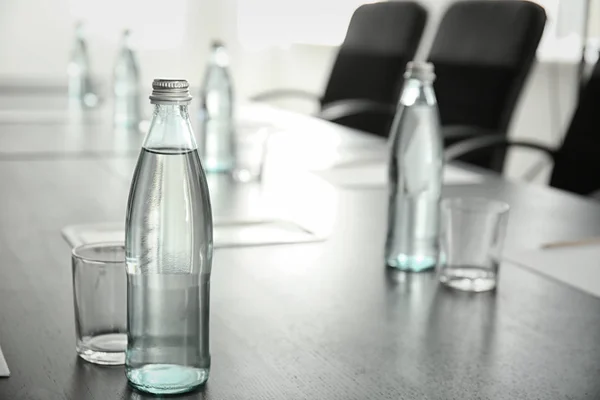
pixel 217 43
pixel 420 70
pixel 170 91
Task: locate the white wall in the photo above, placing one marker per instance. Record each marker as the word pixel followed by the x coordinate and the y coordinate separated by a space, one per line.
pixel 36 35
pixel 31 41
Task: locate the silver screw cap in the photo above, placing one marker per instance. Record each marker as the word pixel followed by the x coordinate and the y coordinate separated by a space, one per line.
pixel 420 70
pixel 170 91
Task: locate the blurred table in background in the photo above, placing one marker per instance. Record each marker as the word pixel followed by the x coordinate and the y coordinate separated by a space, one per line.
pixel 323 320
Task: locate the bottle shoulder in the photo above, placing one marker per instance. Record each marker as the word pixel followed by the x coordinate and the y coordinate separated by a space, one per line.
pixel 417 122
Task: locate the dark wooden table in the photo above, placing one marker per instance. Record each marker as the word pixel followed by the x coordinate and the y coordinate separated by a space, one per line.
pixel 324 320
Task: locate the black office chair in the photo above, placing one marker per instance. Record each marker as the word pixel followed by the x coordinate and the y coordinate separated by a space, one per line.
pixel 482 53
pixel 381 39
pixel 577 161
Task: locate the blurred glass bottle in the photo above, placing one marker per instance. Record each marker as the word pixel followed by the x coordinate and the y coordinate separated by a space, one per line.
pixel 80 90
pixel 126 86
pixel 217 140
pixel 415 174
pixel 168 249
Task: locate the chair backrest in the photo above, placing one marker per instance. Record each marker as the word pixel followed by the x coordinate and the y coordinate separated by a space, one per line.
pixel 577 163
pixel 482 54
pixel 381 39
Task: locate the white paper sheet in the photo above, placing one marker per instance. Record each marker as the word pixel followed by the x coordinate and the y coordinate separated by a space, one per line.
pixel 577 266
pixel 4 372
pixel 375 176
pixel 226 233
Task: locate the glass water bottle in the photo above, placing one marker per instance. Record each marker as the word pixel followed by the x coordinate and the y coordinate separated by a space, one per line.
pixel 415 174
pixel 168 245
pixel 78 70
pixel 217 141
pixel 126 87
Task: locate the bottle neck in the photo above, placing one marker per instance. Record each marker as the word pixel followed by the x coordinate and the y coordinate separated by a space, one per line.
pixel 126 40
pixel 170 129
pixel 170 111
pixel 418 92
pixel 219 57
pixel 126 62
pixel 79 49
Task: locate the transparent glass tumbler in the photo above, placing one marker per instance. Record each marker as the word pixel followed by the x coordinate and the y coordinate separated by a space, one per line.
pixel 251 144
pixel 100 299
pixel 471 241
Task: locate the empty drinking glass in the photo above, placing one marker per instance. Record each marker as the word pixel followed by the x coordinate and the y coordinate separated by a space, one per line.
pixel 100 299
pixel 471 240
pixel 251 149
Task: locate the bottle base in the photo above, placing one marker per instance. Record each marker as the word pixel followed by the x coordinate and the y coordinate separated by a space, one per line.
pixel 412 263
pixel 167 378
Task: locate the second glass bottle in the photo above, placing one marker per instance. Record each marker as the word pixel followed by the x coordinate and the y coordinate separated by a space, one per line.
pixel 126 85
pixel 217 140
pixel 80 90
pixel 415 174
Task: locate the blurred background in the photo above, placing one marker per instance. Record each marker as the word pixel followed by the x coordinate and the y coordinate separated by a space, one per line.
pixel 273 44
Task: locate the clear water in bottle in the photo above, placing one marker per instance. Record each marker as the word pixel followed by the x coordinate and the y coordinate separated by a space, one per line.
pixel 415 175
pixel 169 255
pixel 126 87
pixel 217 135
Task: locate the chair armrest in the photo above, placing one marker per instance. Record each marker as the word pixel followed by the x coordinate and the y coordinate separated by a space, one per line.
pixel 348 108
pixel 279 93
pixel 454 133
pixel 491 141
pixel 595 195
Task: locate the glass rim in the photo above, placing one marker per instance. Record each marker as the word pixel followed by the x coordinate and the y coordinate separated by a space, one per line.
pixel 76 252
pixel 476 205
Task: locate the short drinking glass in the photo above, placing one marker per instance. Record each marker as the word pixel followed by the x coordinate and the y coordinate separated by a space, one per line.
pixel 100 302
pixel 471 241
pixel 251 152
